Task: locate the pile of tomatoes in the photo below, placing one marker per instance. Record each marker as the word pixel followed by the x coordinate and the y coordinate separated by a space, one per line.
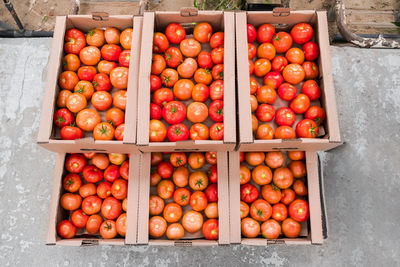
pixel 95 196
pixel 276 197
pixel 184 76
pixel 277 60
pixel 183 195
pixel 92 67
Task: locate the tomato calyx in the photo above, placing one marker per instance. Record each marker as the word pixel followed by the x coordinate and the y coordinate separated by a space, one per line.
pixel 103 130
pixel 184 198
pixel 69 182
pixel 274 187
pixel 91 32
pixel 277 37
pixel 221 74
pixel 81 89
pixel 108 226
pixel 179 161
pixel 168 57
pixel 220 111
pixel 60 119
pixel 259 213
pixel 177 131
pixel 312 131
pixel 199 183
pixel 95 84
pixel 166 79
pixel 173 109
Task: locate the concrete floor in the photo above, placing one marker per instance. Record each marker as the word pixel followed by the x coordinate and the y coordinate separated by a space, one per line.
pixel 362 179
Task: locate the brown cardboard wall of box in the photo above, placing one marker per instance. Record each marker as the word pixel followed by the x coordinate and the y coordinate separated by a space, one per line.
pixel 246 141
pixel 47 134
pixel 57 214
pixel 157 21
pixel 315 235
pixel 196 239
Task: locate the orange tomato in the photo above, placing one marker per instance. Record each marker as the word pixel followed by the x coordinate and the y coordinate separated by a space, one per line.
pixel 250 227
pixel 119 77
pixel 266 50
pixel 298 168
pixel 244 209
pixel 265 132
pixel 157 131
pixel 156 205
pixel 112 35
pixel 283 177
pixel 119 99
pixel 126 38
pixel 203 76
pixel 183 89
pixel 165 189
pixel 199 131
pixel 296 155
pixel 181 176
pixel 101 100
pixel 253 103
pixel 95 37
pixel 158 64
pixel 76 102
pixel 202 32
pixel 106 67
pixel 192 221
pixel 274 159
pixel 103 131
pixel 90 55
pixel 116 116
pixel 295 55
pixel 261 67
pixel 71 62
pixel 196 160
pixel 211 211
pixel 175 231
pixel 101 161
pixel 198 201
pixel 198 180
pixel 261 175
pixel 254 158
pixel 254 123
pixel 285 132
pixel 172 212
pixel 266 94
pixel 68 79
pixel 157 226
pixel 87 119
pixel 244 174
pixel 197 112
pixel 190 47
pixel 85 88
pixel 117 158
pixel 62 98
pixel 121 224
pixel 293 73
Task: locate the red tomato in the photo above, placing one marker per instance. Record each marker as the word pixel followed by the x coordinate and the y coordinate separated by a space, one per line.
pixel 111 173
pixel 119 189
pixel 169 77
pixel 92 174
pixel 261 67
pixel 74 41
pixel 216 111
pixel 288 195
pixel 282 42
pixel 279 63
pixel 111 208
pixel 260 210
pixel 162 96
pixel 265 112
pixel 175 33
pixel 106 66
pixel 173 57
pixel 101 82
pixel 108 229
pixel 251 67
pixel 165 169
pixel 311 51
pixel 75 163
pixel 273 79
pixel 217 39
pixel 217 90
pixel 111 52
pixel 244 210
pixel 250 227
pixel 213 174
pixel 70 201
pixel 72 182
pixel 210 229
pixel 71 62
pixel 279 212
pixel 124 170
pixel 217 131
pixel 248 193
pixel 283 177
pixel 251 50
pixel 87 73
pixel 182 196
pixel 251 33
pixel 311 89
pixel 291 228
pixel 165 189
pixel 119 77
pixel 302 33
pixel 203 76
pixel 158 64
pixel 66 229
pixel 298 210
pixel 124 58
pixel 104 190
pixel 285 116
pixel 204 60
pixel 174 112
pixel 307 129
pixel 157 131
pixel 287 92
pixel 155 112
pixel 265 33
pixel 212 193
pixel 316 114
pixel 63 117
pixel 202 32
pixel 155 83
pixel 218 72
pixel 178 132
pixel 211 158
pixel 310 69
pixel 160 43
pixel 87 190
pixel 68 80
pixel 217 55
pixel 300 103
pixel 198 201
pixel 199 131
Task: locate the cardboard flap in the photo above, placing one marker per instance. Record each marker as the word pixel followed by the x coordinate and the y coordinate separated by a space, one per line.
pixel 234 197
pixel 85 140
pixel 133 82
pixel 314 198
pixel 144 78
pixel 144 192
pixel 46 117
pixel 223 198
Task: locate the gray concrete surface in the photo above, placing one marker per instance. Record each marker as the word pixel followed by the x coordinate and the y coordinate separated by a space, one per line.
pixel 362 180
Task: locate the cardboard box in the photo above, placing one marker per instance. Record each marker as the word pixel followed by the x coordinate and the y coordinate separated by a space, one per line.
pixel 57 213
pixel 284 21
pixel 195 239
pixel 49 134
pixel 311 233
pixel 158 21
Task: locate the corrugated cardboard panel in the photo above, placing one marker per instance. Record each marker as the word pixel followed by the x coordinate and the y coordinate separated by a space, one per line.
pixel 223 198
pixel 234 196
pixel 144 192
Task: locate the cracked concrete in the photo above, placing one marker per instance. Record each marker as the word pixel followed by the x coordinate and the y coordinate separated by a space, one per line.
pixel 361 177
